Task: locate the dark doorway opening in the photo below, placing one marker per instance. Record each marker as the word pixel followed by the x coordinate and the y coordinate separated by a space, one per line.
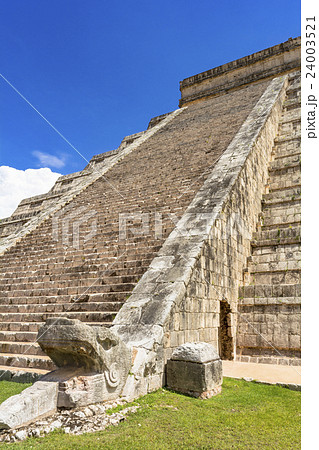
pixel 224 332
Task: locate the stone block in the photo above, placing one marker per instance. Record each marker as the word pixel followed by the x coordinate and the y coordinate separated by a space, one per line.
pixel 195 369
pixel 38 400
pixel 294 341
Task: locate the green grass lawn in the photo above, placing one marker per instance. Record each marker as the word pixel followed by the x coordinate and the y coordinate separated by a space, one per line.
pixel 8 388
pixel 246 415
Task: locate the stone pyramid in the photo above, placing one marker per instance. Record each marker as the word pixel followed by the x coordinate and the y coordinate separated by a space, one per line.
pixel 189 231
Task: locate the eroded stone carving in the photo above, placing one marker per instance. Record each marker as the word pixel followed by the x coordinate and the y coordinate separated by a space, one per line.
pixel 93 365
pixel 93 362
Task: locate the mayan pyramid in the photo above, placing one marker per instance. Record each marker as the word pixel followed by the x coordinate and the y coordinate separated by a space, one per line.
pixel 188 231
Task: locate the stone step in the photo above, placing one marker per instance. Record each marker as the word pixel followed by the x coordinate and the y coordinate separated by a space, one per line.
pixel 110 216
pixel 289 129
pixel 270 301
pixel 73 291
pixel 72 247
pixel 104 307
pixel 19 327
pixel 283 151
pixel 284 239
pixel 33 283
pixel 113 267
pixel 291 114
pixel 256 337
pixel 92 250
pixel 285 172
pixel 283 140
pixel 102 280
pixel 106 298
pixel 273 223
pixel 15 327
pixel 274 266
pixel 18 336
pixel 294 91
pixel 103 235
pixel 286 178
pixel 285 163
pixel 282 189
pixel 97 250
pixel 91 316
pixel 21 374
pixel 275 214
pixel 264 359
pixel 292 103
pixel 26 361
pixel 274 256
pixel 275 239
pixel 281 200
pixel 284 210
pixel 20 348
pixel 110 222
pixel 276 209
pixel 291 111
pixel 273 277
pixel 101 256
pixel 286 148
pixel 282 250
pixel 269 292
pixel 278 184
pixel 286 195
pixel 122 268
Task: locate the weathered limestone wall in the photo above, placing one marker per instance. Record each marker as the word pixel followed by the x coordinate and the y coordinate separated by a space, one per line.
pixel 198 270
pixel 259 66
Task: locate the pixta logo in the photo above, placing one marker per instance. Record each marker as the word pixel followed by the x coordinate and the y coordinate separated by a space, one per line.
pixel 145 224
pixel 72 228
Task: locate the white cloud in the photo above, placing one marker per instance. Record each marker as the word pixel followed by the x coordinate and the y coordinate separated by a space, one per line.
pixel 46 159
pixel 15 185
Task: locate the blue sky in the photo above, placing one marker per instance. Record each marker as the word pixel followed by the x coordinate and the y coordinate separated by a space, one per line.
pixel 99 70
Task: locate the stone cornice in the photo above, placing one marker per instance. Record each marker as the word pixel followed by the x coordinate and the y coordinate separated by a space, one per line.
pixel 267 63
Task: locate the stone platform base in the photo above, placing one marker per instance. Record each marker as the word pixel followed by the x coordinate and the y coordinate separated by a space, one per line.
pixel 265 373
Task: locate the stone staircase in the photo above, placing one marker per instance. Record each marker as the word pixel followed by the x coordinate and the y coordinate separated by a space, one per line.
pixel 66 185
pixel 69 266
pixel 269 302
